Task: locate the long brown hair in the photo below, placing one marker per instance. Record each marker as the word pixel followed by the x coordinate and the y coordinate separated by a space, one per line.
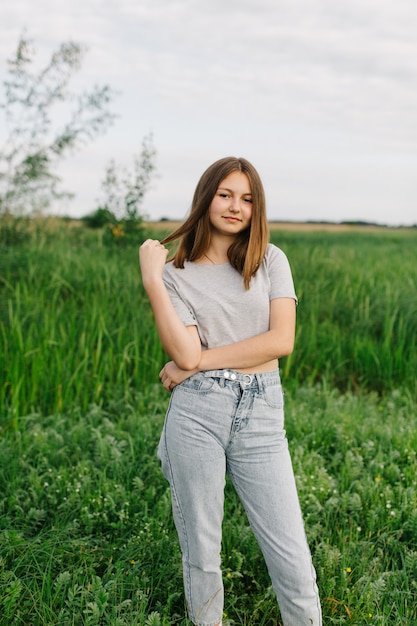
pixel 248 249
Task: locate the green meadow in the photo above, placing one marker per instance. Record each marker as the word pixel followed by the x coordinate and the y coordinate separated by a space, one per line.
pixel 86 535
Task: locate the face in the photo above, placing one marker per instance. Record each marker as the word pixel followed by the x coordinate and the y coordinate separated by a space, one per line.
pixel 231 208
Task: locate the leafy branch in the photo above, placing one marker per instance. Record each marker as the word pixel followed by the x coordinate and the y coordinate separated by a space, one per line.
pixel 36 140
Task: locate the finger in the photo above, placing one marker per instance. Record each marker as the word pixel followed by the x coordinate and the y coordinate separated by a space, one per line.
pixel 165 380
pixel 152 243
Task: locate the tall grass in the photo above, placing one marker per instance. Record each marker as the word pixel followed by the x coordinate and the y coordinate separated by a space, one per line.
pixel 75 323
pixel 74 326
pixel 86 533
pixel 357 318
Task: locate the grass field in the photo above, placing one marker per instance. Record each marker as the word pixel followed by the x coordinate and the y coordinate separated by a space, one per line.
pixel 86 529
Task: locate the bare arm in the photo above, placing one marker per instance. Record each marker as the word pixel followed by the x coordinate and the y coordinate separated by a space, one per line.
pixel 277 342
pixel 180 342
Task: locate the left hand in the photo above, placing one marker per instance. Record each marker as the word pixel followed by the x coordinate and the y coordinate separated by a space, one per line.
pixel 171 375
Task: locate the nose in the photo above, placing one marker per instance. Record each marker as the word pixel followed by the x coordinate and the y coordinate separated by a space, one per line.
pixel 235 206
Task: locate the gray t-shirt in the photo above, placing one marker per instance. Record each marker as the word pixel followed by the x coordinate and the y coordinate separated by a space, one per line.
pixel 214 298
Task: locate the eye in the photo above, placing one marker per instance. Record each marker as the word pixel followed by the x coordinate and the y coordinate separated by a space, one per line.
pixel 249 200
pixel 222 194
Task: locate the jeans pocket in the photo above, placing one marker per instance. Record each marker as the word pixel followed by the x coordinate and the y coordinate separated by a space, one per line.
pixel 197 384
pixel 273 396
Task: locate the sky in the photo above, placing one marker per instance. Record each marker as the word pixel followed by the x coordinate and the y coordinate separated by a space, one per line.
pixel 321 96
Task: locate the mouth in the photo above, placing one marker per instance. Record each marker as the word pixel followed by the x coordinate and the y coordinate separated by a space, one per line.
pixel 231 219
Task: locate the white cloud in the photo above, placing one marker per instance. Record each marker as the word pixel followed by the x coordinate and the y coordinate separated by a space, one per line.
pixel 303 87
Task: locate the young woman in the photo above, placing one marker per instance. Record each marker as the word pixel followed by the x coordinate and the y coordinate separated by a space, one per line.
pixel 224 308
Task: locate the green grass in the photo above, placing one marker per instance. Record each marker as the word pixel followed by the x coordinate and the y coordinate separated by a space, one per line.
pixel 357 319
pixel 86 534
pixel 75 324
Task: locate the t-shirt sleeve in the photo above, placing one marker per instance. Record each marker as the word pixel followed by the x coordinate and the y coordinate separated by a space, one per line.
pixel 280 276
pixel 183 311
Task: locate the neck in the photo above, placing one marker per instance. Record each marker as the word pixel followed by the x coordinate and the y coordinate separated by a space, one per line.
pixel 209 259
pixel 216 253
pixel 213 259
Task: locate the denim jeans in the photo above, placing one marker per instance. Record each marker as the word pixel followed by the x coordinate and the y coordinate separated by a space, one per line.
pixel 219 421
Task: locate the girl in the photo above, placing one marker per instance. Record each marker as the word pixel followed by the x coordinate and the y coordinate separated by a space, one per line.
pixel 224 308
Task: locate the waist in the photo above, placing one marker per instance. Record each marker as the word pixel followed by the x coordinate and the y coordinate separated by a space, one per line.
pixel 269 366
pixel 254 379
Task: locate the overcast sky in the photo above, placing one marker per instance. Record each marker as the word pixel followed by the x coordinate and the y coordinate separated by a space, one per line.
pixel 321 96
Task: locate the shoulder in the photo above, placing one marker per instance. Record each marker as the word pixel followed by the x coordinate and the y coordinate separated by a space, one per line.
pixel 276 263
pixel 279 273
pixel 169 267
pixel 274 254
pixel 180 275
pixel 171 274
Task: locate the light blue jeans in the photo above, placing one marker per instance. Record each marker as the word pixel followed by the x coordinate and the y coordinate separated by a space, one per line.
pixel 219 421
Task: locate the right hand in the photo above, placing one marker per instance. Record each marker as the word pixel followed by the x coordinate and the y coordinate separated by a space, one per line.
pixel 171 375
pixel 152 259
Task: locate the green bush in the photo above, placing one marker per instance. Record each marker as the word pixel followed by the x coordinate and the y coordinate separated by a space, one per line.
pixel 100 218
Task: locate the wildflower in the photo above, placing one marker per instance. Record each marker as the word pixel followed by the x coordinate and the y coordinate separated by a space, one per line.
pixel 132 562
pixel 348 569
pixel 228 575
pixel 378 479
pixel 118 231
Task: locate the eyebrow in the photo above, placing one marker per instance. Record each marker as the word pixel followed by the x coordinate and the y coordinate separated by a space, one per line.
pixel 231 191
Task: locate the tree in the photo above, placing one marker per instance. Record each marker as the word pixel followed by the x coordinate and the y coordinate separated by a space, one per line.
pixel 125 189
pixel 35 144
